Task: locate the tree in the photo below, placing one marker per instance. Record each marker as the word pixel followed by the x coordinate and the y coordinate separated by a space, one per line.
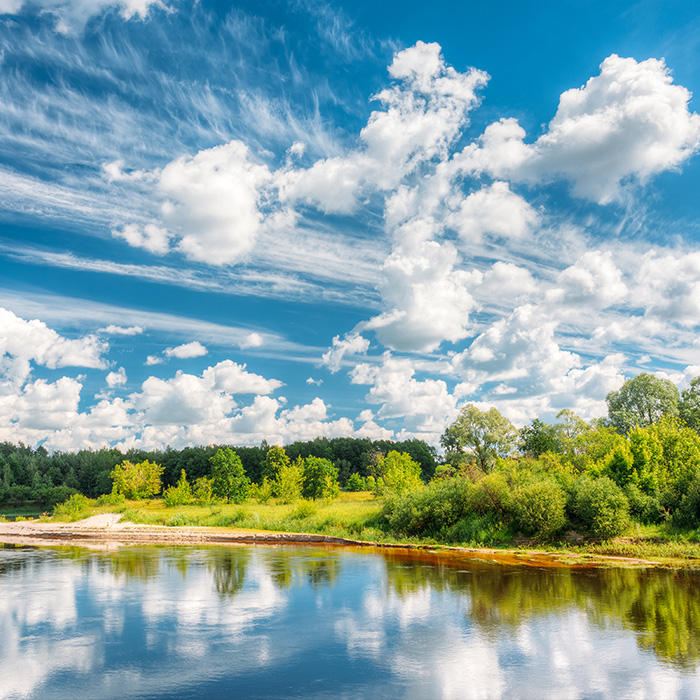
pixel 398 472
pixel 229 480
pixel 484 434
pixel 287 484
pixel 689 406
pixel 538 438
pixel 642 401
pixel 320 478
pixel 275 460
pixel 180 495
pixel 136 480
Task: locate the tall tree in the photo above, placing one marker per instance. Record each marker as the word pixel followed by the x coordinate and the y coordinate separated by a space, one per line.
pixel 642 401
pixel 229 480
pixel 689 406
pixel 483 434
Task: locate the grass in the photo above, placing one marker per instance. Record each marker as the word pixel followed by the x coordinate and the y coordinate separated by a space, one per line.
pixel 15 512
pixel 357 515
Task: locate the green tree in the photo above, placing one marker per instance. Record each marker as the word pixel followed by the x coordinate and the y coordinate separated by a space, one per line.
pixel 136 480
pixel 398 473
pixel 320 478
pixel 538 438
pixel 229 480
pixel 180 495
pixel 287 484
pixel 276 459
pixel 689 406
pixel 642 401
pixel 484 434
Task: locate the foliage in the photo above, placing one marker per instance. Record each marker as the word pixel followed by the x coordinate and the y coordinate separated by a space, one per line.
pixel 689 406
pixel 180 495
pixel 356 482
pixel 76 507
pixel 688 514
pixel 601 507
pixel 484 434
pixel 276 459
pixel 138 480
pixel 644 508
pixel 229 480
pixel 539 507
pixel 203 491
pixel 431 510
pixel 111 499
pixel 287 484
pixel 397 473
pixel 320 478
pixel 538 438
pixel 642 401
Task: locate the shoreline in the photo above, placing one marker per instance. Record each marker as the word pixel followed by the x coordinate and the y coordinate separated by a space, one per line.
pixel 108 530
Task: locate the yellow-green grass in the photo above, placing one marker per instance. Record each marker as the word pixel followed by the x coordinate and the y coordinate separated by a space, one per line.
pixel 358 516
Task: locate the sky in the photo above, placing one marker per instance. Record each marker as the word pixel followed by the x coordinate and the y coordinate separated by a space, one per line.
pixel 235 222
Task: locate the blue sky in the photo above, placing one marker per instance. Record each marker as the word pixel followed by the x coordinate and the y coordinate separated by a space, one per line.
pixel 234 222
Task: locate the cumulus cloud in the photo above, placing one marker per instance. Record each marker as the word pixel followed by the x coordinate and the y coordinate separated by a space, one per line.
pixel 117 378
pixel 423 406
pixel 668 286
pixel 252 340
pixel 423 112
pixel 23 342
pixel 495 211
pixel 426 297
pixel 186 351
pixel 351 344
pixel 593 280
pixel 628 122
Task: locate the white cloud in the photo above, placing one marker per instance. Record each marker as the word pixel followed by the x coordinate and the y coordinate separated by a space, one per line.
pixel 669 286
pixel 154 360
pixel 495 211
pixel 628 122
pixel 315 382
pixel 252 340
pixel 116 378
pixel 23 342
pixel 186 351
pixel 351 345
pixel 593 281
pixel 423 407
pixel 150 237
pixel 72 15
pixel 121 330
pixel 427 299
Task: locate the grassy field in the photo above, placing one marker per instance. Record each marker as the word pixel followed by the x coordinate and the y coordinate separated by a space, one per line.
pixel 358 516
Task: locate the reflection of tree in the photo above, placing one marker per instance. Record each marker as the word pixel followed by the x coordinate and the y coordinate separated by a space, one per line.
pixel 229 568
pixel 319 568
pixel 661 607
pixel 142 563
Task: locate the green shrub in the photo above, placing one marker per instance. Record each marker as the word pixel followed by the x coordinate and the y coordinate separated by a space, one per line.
pixel 303 509
pixel 180 520
pixel 430 510
pixel 263 492
pixel 75 508
pixel 356 483
pixel 688 513
pixel 601 507
pixel 320 479
pixel 111 499
pixel 475 529
pixel 203 492
pixel 180 495
pixel 539 508
pixel 644 508
pixel 51 497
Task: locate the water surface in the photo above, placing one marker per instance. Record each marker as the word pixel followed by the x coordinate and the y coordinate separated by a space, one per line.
pixel 303 622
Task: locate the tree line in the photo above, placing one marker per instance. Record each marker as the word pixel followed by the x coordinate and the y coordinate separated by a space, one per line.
pixel 33 476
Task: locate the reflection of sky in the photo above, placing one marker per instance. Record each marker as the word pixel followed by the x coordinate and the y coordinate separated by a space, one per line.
pixel 74 626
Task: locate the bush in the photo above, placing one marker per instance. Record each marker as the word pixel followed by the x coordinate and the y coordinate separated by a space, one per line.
pixel 431 510
pixel 688 513
pixel 303 509
pixel 644 508
pixel 203 492
pixel 137 481
pixel 478 529
pixel 356 483
pixel 51 497
pixel 539 508
pixel 180 495
pixel 111 499
pixel 601 507
pixel 75 508
pixel 320 479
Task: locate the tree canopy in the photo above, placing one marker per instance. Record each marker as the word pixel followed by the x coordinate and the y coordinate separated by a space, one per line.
pixel 642 401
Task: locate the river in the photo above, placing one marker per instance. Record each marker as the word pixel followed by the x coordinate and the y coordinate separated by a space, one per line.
pixel 312 622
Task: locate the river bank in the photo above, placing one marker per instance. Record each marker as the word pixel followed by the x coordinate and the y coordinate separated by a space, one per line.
pixel 110 530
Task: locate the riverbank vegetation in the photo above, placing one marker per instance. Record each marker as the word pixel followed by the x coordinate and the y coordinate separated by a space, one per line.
pixel 627 484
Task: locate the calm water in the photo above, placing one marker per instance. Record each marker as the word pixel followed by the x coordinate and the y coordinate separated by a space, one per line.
pixel 259 622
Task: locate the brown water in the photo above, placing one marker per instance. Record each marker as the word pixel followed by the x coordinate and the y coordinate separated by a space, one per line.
pixel 260 622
